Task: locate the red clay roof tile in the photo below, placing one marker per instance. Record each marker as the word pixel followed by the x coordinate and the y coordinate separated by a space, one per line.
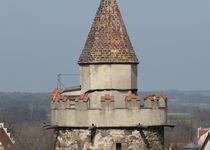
pixel 108 40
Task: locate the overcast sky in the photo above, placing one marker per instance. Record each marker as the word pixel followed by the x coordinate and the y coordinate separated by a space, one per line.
pixel 41 38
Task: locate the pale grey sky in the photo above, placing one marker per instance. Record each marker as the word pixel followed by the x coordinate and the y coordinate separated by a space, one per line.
pixel 41 38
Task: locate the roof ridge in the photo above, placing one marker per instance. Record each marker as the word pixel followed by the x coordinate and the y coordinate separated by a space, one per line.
pixel 6 132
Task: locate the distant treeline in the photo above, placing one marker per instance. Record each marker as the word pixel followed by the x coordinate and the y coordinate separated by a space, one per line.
pixel 19 107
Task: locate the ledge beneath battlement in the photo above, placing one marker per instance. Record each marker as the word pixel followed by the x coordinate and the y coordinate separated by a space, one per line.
pixel 108 118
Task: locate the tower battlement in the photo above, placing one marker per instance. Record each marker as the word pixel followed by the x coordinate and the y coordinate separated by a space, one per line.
pixel 78 112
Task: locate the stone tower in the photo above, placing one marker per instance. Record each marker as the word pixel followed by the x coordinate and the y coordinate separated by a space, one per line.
pixel 105 111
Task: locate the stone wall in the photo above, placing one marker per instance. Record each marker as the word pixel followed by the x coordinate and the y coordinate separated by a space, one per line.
pixel 108 118
pixel 109 76
pixel 152 113
pixel 102 139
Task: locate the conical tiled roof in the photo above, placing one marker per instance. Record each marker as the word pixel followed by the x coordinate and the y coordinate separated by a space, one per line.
pixel 108 41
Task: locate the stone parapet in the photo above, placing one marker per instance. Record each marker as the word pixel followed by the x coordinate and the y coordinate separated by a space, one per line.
pixel 107 117
pixel 79 113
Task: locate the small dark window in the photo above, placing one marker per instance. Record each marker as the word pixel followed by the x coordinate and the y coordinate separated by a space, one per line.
pixel 118 146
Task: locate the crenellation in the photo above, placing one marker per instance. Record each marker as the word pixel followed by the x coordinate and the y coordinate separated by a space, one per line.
pixel 153 101
pixel 82 102
pixel 83 98
pixel 132 101
pixel 107 102
pixel 108 98
pixel 163 100
pixel 57 96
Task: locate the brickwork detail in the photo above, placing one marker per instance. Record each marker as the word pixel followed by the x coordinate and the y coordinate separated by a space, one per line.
pixel 108 41
pixel 107 98
pixel 82 98
pixel 132 97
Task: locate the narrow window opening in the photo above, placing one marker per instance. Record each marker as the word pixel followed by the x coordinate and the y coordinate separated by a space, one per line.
pixel 118 146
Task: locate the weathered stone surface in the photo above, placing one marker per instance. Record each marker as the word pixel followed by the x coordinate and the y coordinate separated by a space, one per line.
pixel 148 139
pixel 108 118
